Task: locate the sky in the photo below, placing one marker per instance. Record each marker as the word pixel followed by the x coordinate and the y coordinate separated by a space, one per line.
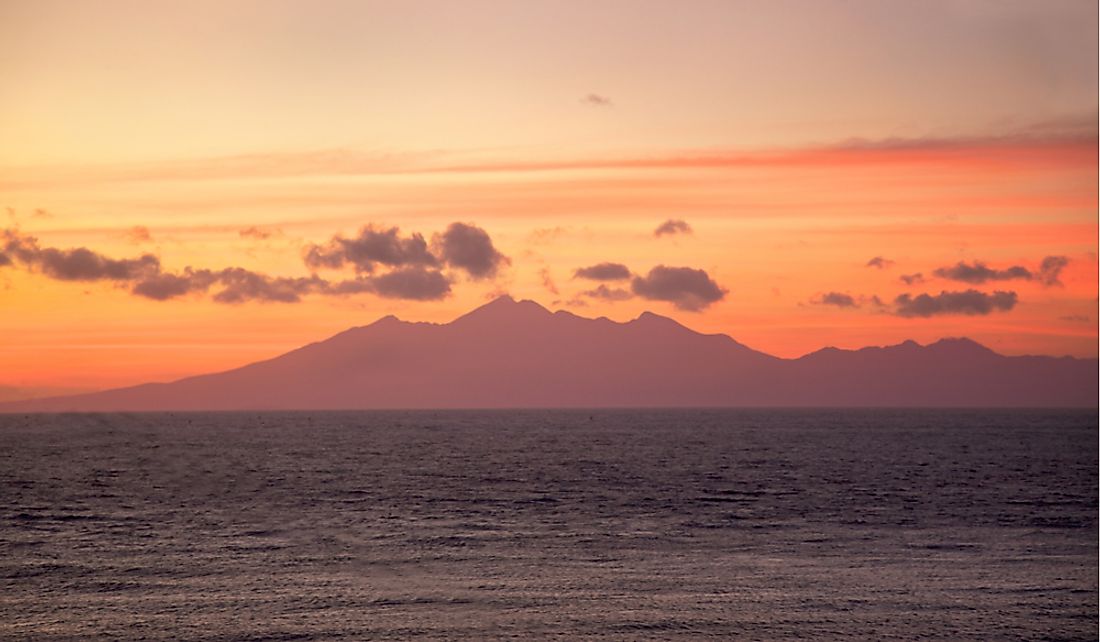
pixel 188 187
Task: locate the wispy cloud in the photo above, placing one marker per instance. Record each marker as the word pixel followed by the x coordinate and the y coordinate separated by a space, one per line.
pixel 596 100
pixel 993 152
pixel 259 233
pixel 548 281
pixel 608 294
pixel 139 234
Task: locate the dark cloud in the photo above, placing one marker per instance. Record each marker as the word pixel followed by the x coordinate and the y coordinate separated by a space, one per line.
pixel 879 262
pixel 596 100
pixel 672 226
pixel 838 299
pixel 415 283
pixel 608 294
pixel 469 248
pixel 1048 274
pixel 979 272
pixel 74 264
pixel 1051 268
pixel 82 264
pixel 329 256
pixel 603 272
pixel 843 300
pixel 240 285
pixel 412 283
pixel 968 302
pixel 912 279
pixel 146 278
pixel 164 286
pixel 686 288
pixel 372 246
pixel 413 274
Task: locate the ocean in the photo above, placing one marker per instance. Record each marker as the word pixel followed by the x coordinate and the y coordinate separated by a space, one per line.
pixel 550 524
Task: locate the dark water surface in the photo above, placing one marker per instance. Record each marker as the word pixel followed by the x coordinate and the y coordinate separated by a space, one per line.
pixel 765 525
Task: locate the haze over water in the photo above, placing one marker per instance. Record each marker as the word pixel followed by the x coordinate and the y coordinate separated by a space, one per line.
pixel 762 524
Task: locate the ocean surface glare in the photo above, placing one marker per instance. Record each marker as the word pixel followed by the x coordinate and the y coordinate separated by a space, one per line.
pixel 751 525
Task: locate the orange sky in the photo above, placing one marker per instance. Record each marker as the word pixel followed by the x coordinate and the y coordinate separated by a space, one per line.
pixel 797 150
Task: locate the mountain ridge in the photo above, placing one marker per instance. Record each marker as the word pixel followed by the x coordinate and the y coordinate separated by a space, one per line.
pixel 510 353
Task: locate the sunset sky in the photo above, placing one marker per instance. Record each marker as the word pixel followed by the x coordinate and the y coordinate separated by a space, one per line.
pixel 186 187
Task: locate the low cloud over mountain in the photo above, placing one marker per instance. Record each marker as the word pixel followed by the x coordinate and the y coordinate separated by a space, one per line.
pixel 686 288
pixel 373 246
pixel 968 302
pixel 469 248
pixel 608 294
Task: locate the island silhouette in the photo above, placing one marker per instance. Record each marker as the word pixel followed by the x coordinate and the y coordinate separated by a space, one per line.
pixel 518 354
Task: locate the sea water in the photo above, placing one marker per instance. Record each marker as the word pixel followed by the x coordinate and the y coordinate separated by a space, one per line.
pixel 569 524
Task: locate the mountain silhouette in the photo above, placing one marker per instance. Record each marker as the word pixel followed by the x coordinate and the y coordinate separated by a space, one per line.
pixel 518 354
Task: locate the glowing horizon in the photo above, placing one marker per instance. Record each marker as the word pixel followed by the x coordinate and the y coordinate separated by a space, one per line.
pixel 816 174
